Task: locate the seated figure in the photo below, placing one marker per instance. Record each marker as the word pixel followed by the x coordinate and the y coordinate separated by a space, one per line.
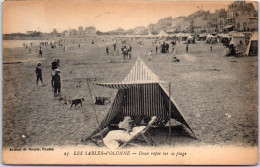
pixel 114 137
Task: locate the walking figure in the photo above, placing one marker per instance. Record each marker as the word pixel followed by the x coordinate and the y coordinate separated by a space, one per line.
pixel 187 48
pixel 114 47
pixel 38 72
pixel 40 52
pixel 211 47
pixel 56 82
pixel 107 50
pixel 54 64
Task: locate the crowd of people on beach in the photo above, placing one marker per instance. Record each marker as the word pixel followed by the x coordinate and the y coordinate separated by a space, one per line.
pixel 161 47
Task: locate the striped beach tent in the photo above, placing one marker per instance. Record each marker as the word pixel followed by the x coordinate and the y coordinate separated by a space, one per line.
pixel 140 95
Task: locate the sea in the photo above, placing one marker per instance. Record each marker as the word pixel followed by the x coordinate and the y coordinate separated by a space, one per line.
pixel 19 43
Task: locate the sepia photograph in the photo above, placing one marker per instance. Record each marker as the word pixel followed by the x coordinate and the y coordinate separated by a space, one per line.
pixel 161 82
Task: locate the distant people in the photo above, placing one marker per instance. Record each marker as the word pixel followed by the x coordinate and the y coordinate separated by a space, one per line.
pixel 129 54
pixel 150 55
pixel 40 52
pixel 79 46
pixel 65 48
pixel 114 47
pixel 211 47
pixel 167 47
pixel 130 48
pixel 56 82
pixel 174 51
pixel 54 64
pixel 107 50
pixel 38 72
pixel 187 48
pixel 125 53
pixel 156 49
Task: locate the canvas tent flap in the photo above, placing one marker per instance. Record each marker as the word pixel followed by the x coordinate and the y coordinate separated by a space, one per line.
pixel 176 112
pixel 140 73
pixel 252 39
pixel 145 98
pixel 162 33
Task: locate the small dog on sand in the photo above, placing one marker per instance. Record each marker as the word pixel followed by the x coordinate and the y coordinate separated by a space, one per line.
pixel 76 102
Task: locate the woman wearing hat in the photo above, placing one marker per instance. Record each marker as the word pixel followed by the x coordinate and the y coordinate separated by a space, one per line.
pixel 38 72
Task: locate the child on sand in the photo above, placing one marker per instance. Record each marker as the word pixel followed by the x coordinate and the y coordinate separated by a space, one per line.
pixel 56 82
pixel 38 72
pixel 54 64
pixel 40 52
pixel 107 50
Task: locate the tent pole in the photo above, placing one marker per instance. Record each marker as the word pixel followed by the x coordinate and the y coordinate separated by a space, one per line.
pixel 170 110
pixel 93 105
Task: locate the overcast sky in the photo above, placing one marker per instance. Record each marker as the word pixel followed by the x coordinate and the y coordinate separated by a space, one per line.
pixel 22 16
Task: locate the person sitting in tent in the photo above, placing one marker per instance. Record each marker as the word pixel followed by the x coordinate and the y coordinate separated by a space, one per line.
pixel 124 125
pixel 114 136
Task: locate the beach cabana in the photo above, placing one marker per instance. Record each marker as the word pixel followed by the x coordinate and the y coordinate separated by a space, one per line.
pixel 238 39
pixel 211 39
pixel 202 37
pixel 140 95
pixel 162 34
pixel 252 48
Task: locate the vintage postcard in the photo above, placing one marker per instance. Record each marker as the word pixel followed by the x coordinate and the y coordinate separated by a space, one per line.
pixel 95 82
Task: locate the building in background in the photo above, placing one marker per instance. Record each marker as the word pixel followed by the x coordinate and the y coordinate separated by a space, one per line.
pixel 239 15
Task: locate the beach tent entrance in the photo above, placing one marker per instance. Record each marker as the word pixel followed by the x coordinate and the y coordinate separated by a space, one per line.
pixel 211 39
pixel 139 95
pixel 237 39
pixel 252 47
pixel 162 34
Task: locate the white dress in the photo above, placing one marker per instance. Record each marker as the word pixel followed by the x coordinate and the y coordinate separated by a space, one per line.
pixel 115 137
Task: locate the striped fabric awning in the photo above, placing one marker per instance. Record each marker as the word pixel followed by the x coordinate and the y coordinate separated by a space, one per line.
pixel 115 85
pixel 145 100
pixel 140 74
pixel 141 95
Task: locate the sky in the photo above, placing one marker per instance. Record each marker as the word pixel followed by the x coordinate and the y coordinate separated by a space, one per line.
pixel 43 15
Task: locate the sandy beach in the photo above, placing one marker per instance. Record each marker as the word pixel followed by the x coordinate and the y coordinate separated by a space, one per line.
pixel 217 95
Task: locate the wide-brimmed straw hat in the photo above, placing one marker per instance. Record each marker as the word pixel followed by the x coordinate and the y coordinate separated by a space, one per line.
pixel 127 119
